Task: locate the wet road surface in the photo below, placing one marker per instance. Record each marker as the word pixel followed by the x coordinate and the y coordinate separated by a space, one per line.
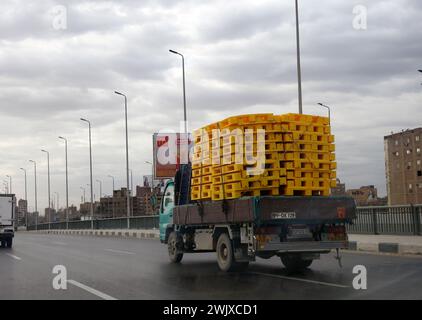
pixel 113 268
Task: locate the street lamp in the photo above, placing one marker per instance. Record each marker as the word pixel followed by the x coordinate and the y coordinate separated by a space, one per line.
pixel 35 193
pixel 10 183
pixel 299 72
pixel 6 186
pixel 184 88
pixel 127 160
pixel 49 195
pixel 112 193
pixel 57 201
pixel 329 111
pixel 26 199
pixel 67 183
pixel 90 173
pixel 83 189
pixel 101 187
pixel 131 180
pixel 110 176
pixel 152 174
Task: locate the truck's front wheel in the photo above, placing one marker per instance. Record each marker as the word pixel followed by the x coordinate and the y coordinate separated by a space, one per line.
pixel 9 243
pixel 174 243
pixel 294 262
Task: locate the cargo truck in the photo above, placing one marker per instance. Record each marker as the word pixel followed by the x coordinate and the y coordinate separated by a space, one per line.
pixel 297 229
pixel 7 214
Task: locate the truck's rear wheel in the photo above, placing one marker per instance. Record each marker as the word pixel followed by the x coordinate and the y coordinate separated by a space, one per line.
pixel 174 244
pixel 225 257
pixel 295 263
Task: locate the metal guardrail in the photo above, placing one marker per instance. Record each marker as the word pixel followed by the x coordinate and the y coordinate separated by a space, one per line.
pixel 394 220
pixel 141 222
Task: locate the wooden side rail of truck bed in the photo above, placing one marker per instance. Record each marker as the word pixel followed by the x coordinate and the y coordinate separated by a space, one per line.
pixel 267 210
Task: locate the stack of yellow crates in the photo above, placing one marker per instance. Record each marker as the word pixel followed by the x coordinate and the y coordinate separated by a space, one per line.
pixel 295 156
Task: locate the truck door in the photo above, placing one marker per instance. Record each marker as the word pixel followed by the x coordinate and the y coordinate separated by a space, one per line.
pixel 166 209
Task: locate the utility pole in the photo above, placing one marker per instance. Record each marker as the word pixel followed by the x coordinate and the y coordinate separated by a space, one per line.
pixel 299 72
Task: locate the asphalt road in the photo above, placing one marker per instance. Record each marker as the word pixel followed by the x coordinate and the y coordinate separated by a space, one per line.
pixel 107 268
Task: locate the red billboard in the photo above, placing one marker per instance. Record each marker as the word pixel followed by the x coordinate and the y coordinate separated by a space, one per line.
pixel 170 150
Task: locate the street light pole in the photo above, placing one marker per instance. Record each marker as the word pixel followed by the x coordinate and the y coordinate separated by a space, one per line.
pixel 57 201
pixel 101 192
pixel 152 174
pixel 110 176
pixel 184 88
pixel 127 161
pixel 329 111
pixel 299 72
pixel 10 183
pixel 67 183
pixel 36 196
pixel 83 189
pixel 26 199
pixel 101 187
pixel 90 173
pixel 49 195
pixel 112 193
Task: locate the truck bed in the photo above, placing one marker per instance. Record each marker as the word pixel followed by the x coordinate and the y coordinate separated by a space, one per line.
pixel 267 210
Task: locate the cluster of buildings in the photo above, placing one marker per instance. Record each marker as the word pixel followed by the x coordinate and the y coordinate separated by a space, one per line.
pixel 364 196
pixel 145 201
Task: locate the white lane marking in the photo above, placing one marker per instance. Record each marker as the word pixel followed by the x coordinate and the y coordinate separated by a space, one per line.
pixel 119 251
pixel 300 279
pixel 13 256
pixel 100 294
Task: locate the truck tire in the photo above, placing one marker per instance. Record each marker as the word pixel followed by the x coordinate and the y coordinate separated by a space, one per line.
pixel 9 243
pixel 294 262
pixel 225 257
pixel 173 244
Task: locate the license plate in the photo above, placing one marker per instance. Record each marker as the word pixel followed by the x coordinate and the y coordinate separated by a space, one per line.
pixel 300 232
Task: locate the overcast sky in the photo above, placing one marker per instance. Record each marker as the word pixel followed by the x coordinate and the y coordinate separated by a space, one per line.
pixel 240 58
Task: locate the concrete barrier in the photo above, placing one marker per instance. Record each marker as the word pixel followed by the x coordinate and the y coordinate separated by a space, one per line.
pixel 121 233
pixel 391 244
